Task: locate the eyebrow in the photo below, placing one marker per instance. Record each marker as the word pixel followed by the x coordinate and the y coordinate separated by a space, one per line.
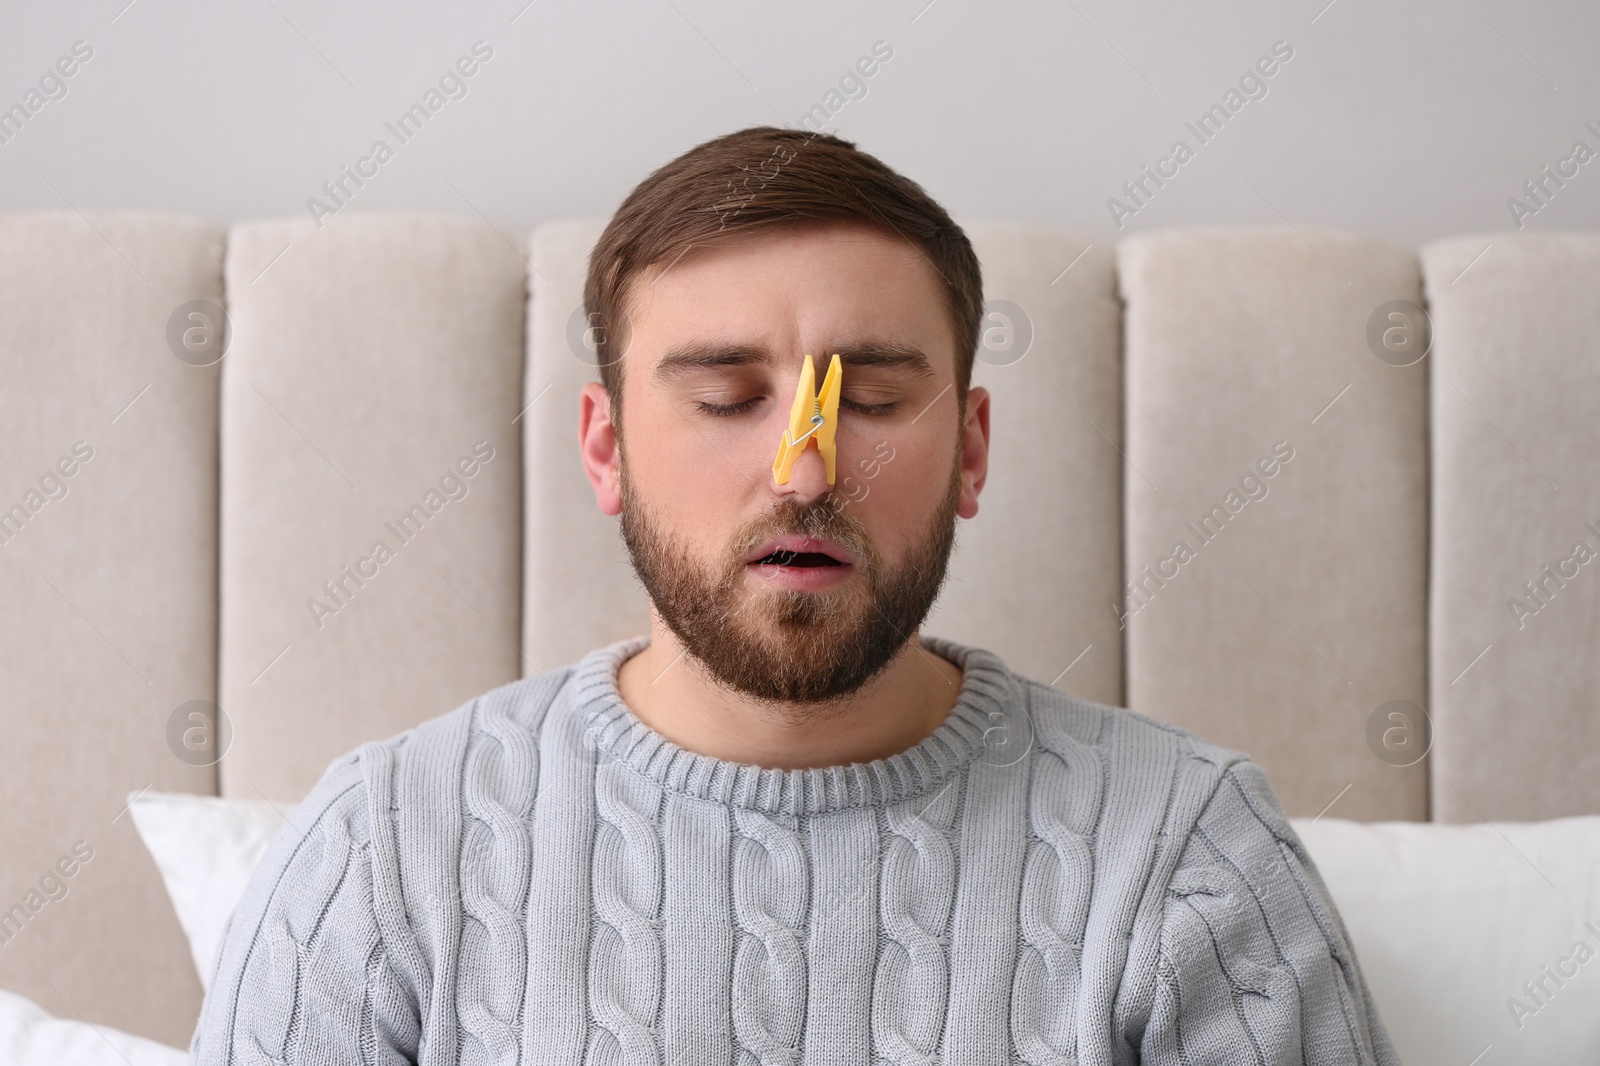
pixel 687 358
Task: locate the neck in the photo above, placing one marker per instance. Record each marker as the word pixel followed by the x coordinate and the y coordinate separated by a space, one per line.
pixel 904 703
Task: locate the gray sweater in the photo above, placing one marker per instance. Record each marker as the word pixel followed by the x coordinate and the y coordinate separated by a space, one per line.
pixel 538 877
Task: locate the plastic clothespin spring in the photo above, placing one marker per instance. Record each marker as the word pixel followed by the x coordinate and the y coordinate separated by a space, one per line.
pixel 823 419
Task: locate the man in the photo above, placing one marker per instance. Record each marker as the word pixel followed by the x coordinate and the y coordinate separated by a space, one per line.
pixel 786 827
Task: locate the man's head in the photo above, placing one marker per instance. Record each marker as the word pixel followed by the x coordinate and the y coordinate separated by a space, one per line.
pixel 713 281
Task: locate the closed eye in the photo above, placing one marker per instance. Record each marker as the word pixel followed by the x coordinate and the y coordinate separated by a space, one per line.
pixel 727 410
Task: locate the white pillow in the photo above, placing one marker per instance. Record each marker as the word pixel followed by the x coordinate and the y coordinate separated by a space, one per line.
pixel 206 849
pixel 30 1036
pixel 1449 921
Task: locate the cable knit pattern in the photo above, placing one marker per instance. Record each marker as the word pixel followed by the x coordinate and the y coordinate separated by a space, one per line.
pixel 1054 910
pixel 539 877
pixel 912 990
pixel 495 863
pixel 625 959
pixel 769 966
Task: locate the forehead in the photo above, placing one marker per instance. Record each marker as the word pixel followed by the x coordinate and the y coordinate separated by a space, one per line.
pixel 823 283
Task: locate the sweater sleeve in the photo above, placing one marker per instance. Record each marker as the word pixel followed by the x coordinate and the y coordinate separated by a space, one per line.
pixel 303 974
pixel 1255 965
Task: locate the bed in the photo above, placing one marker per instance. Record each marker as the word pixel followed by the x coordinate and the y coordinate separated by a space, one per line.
pixel 204 429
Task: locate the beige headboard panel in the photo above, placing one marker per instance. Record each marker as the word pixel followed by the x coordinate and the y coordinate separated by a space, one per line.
pixel 370 358
pixel 1034 573
pixel 107 598
pixel 1298 608
pixel 579 591
pixel 1516 490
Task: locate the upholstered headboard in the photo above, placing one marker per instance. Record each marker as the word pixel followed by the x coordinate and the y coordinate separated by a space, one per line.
pixel 412 379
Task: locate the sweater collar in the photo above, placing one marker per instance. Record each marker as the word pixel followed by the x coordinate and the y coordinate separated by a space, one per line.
pixel 987 700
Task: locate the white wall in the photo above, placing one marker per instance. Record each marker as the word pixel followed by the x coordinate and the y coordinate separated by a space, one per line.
pixel 1407 120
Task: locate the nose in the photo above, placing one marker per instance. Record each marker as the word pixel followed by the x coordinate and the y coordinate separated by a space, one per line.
pixel 808 478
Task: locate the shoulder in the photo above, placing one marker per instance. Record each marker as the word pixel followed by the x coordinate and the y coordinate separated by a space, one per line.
pixel 416 768
pixel 1156 780
pixel 1155 776
pixel 1209 801
pixel 521 705
pixel 485 744
pixel 1130 740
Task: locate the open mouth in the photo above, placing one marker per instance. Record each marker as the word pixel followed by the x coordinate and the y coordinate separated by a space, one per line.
pixel 803 559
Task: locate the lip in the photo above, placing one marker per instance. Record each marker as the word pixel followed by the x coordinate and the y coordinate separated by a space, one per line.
pixel 792 542
pixel 799 578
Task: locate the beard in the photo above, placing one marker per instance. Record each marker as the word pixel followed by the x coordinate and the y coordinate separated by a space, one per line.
pixel 786 646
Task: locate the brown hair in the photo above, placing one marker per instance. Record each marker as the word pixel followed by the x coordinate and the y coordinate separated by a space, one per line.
pixel 767 177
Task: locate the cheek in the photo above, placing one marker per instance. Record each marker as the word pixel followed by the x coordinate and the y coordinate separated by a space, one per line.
pixel 896 488
pixel 666 457
pixel 689 488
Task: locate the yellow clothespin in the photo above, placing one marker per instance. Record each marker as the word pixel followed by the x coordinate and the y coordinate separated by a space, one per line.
pixel 815 415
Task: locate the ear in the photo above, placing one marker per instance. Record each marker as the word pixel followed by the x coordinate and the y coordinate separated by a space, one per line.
pixel 974 451
pixel 597 443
